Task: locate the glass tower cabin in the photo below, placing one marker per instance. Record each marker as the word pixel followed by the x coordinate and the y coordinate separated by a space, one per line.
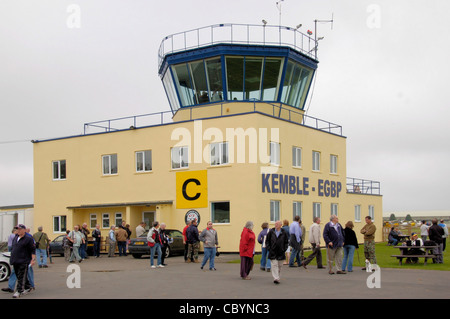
pixel 234 63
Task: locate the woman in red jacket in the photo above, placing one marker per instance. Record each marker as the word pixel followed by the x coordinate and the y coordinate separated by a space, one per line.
pixel 247 250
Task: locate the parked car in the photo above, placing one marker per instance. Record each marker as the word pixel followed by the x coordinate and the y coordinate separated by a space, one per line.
pixel 139 246
pixel 56 247
pixel 5 267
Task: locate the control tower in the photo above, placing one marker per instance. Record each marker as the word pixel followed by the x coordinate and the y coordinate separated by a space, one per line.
pixel 237 63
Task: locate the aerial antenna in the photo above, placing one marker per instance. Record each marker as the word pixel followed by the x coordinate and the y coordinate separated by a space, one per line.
pixel 315 31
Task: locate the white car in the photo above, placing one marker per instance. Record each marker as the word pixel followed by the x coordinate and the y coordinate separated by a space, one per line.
pixel 5 267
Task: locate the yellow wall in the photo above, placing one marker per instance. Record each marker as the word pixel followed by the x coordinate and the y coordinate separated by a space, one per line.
pixel 239 183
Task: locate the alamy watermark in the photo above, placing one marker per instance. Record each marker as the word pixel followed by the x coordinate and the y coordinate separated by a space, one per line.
pixel 248 145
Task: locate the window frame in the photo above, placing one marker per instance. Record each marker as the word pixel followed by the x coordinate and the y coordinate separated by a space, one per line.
pixel 295 208
pixel 372 212
pixel 220 147
pixel 316 161
pixel 212 212
pixel 297 157
pixel 275 157
pixel 333 164
pixel 180 156
pixel 317 209
pixel 59 162
pixel 275 210
pixel 93 217
pixel 144 159
pixel 357 213
pixel 334 208
pixel 110 162
pixel 106 217
pixel 59 228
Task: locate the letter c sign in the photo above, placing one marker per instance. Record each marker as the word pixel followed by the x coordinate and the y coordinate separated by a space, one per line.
pixel 192 189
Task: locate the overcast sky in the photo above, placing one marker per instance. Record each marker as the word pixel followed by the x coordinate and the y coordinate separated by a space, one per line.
pixel 383 75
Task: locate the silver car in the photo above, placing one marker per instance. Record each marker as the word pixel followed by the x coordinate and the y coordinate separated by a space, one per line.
pixel 5 267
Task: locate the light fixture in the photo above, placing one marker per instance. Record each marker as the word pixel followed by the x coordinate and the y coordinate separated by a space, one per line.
pixel 321 38
pixel 298 26
pixel 264 22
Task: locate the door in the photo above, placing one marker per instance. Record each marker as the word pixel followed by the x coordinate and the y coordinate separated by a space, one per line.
pixel 148 218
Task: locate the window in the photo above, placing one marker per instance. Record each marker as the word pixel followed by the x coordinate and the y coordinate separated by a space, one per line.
pixel 253 72
pixel 235 78
pixel 59 170
pixel 214 74
pixel 334 209
pixel 59 224
pixel 119 219
pixel 93 219
pixel 109 164
pixel 220 212
pixel 274 153
pixel 144 161
pixel 333 164
pixel 316 161
pixel 296 83
pixel 272 76
pixel 219 153
pixel 317 210
pixel 297 209
pixel 372 212
pixel 105 220
pixel 357 213
pixel 296 157
pixel 274 210
pixel 180 157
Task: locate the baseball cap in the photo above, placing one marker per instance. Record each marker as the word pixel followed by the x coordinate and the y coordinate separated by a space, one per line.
pixel 20 226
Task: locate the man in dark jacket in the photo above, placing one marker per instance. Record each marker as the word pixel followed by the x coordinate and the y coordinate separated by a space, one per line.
pixel 23 254
pixel 333 234
pixel 193 241
pixel 277 243
pixel 435 233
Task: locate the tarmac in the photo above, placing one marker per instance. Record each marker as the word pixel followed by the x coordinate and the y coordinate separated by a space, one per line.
pixel 129 278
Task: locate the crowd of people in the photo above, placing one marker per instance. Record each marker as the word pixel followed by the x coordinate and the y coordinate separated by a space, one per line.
pixel 283 245
pixel 431 234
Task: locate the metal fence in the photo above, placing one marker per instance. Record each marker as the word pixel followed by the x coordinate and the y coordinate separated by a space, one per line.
pixel 362 186
pixel 230 33
pixel 159 118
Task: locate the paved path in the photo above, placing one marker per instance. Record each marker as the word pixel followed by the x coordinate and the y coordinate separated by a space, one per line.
pixel 126 277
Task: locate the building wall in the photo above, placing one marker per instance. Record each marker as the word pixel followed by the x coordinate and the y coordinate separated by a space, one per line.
pixel 238 183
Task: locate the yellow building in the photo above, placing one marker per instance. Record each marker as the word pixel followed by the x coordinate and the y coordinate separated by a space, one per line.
pixel 238 148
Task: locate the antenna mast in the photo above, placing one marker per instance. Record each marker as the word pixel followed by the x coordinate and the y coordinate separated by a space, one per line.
pixel 315 31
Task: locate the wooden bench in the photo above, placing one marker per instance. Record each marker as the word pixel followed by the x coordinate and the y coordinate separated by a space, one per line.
pixel 404 249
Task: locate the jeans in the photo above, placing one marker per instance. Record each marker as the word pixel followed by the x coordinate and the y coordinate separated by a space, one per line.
pixel 96 248
pixel 349 251
pixel 122 245
pixel 13 278
pixel 82 251
pixel 157 247
pixel 265 261
pixel 295 254
pixel 41 253
pixel 209 253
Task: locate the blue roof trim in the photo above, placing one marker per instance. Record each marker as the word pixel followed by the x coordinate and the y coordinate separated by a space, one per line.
pixel 236 49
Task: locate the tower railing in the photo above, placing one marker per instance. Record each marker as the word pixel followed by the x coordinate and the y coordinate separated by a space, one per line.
pixel 232 33
pixel 160 118
pixel 362 186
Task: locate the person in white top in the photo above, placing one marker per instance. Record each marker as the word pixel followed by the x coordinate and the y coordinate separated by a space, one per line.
pixel 424 230
pixel 314 239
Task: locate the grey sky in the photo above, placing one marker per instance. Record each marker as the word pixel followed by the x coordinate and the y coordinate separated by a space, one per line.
pixel 383 76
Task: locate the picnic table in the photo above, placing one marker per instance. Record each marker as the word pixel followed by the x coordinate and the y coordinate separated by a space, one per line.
pixel 404 253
